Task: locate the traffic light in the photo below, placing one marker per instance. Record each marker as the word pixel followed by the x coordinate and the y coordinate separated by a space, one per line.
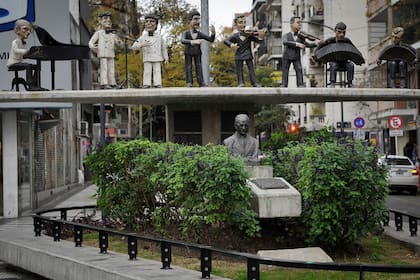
pixel 293 128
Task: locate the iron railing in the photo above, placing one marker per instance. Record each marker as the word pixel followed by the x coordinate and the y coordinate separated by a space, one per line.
pixel 398 219
pixel 253 261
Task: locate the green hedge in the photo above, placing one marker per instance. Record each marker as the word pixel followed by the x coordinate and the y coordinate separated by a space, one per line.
pixel 143 183
pixel 343 189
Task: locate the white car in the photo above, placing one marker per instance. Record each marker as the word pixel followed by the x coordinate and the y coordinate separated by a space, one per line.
pixel 403 174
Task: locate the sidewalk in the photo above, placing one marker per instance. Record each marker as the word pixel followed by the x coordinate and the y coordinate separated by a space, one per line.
pixel 63 261
pixel 403 237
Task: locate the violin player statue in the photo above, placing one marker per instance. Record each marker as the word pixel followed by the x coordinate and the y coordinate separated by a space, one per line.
pixel 294 42
pixel 192 39
pixel 241 41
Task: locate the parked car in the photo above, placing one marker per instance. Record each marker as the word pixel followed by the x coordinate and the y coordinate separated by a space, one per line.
pixel 403 174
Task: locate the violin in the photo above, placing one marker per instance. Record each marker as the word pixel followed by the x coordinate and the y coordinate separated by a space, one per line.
pixel 253 30
pixel 307 36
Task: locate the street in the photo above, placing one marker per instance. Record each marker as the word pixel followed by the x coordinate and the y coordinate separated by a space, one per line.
pixel 404 202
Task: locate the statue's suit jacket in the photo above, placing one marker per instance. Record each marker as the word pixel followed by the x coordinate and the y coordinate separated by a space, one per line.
pixel 244 51
pixel 291 51
pixel 249 152
pixel 194 50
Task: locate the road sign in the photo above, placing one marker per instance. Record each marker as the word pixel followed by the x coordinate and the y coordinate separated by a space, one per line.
pixel 396 132
pixel 359 122
pixel 395 122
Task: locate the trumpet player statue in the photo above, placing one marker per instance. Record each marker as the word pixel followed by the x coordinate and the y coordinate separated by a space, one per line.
pixel 241 41
pixel 103 44
pixel 293 44
pixel 398 55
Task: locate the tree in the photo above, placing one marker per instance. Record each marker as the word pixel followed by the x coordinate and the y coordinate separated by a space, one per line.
pixel 272 118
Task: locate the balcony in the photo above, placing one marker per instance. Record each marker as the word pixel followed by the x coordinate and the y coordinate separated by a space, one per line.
pixel 275 26
pixel 275 52
pixel 257 3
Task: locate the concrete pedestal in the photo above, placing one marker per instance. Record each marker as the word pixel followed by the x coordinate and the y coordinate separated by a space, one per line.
pixel 274 198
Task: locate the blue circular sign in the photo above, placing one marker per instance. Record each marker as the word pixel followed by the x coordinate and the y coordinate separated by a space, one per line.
pixel 359 122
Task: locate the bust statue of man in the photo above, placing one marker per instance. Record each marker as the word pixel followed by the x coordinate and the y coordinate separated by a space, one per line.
pixel 241 144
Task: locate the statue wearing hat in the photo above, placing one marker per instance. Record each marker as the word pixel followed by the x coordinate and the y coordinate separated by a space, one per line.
pixel 103 44
pixel 154 52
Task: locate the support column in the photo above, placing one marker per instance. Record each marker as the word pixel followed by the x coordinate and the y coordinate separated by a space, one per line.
pixel 10 170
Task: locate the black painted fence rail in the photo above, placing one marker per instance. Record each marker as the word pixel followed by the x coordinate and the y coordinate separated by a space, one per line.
pixel 253 261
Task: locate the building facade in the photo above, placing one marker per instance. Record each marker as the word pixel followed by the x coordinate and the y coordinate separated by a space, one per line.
pixel 40 155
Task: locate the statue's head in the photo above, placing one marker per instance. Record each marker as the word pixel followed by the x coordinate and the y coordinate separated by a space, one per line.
pixel 240 22
pixel 151 22
pixel 23 28
pixel 105 20
pixel 340 30
pixel 397 34
pixel 242 124
pixel 295 24
pixel 194 17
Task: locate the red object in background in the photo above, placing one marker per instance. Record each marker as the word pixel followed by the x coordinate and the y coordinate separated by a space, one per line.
pixel 293 128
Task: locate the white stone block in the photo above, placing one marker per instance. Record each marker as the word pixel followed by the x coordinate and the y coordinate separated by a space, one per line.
pixel 261 171
pixel 283 201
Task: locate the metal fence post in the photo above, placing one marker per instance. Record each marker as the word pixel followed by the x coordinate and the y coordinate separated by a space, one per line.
pixel 78 236
pixel 103 241
pixel 63 215
pixel 386 220
pixel 37 226
pixel 205 257
pixel 398 221
pixel 253 268
pixel 413 225
pixel 165 253
pixel 56 230
pixel 132 247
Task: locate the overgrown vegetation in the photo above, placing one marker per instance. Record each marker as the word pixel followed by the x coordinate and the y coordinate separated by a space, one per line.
pixel 343 189
pixel 145 184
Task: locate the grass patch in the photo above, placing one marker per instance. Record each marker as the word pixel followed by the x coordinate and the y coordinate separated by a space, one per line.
pixel 372 249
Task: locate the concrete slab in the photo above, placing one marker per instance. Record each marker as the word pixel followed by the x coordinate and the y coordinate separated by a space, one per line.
pixel 218 95
pixel 310 254
pixel 276 202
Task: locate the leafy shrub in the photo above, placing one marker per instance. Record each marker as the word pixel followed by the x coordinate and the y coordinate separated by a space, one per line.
pixel 142 183
pixel 343 189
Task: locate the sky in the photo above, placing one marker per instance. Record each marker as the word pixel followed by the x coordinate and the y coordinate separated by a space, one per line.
pixel 221 12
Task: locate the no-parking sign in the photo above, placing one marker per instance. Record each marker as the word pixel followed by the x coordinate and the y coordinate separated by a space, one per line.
pixel 395 122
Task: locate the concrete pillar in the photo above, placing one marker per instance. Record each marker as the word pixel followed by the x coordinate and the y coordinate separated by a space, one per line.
pixel 10 164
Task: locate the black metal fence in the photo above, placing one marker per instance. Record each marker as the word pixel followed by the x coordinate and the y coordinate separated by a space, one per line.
pixel 398 218
pixel 206 252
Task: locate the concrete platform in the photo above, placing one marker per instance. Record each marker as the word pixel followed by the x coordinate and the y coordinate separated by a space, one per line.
pixel 276 202
pixel 217 95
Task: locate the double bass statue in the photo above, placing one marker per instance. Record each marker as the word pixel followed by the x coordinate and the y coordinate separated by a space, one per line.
pixel 340 53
